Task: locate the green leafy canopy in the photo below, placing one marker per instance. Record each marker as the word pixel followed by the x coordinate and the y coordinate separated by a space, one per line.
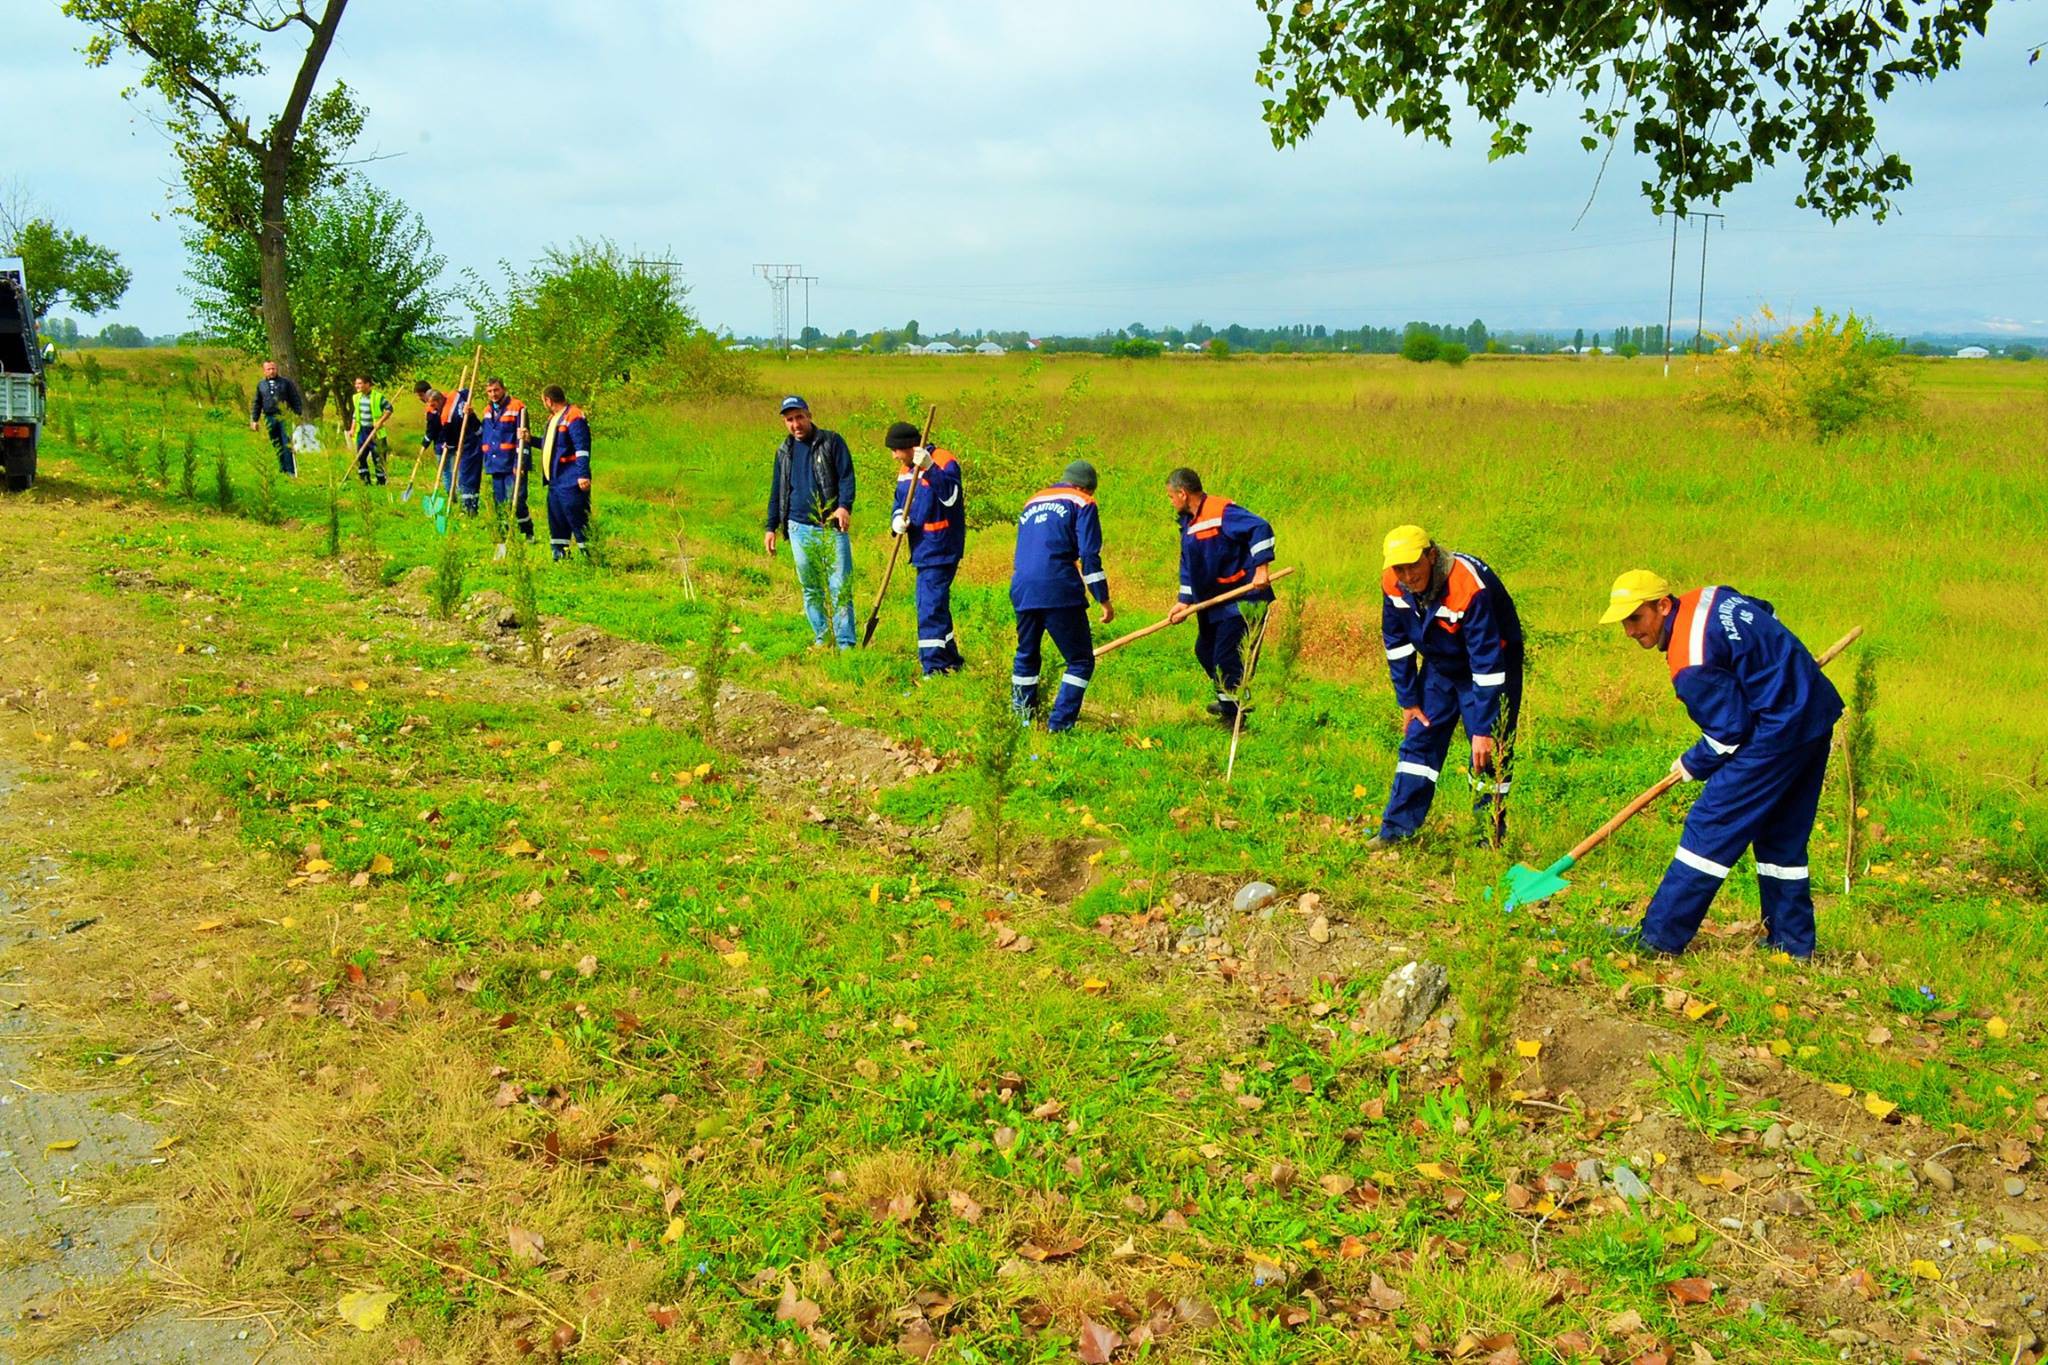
pixel 1709 89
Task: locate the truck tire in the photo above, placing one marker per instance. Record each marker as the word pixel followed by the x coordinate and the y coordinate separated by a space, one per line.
pixel 18 460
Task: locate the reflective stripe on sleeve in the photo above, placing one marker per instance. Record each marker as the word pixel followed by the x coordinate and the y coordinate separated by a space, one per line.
pixel 1718 871
pixel 1186 591
pixel 1400 651
pixel 1489 679
pixel 1261 546
pixel 1717 746
pixel 1093 577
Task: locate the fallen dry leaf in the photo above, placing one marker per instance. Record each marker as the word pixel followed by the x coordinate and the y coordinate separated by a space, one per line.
pixel 793 1308
pixel 365 1309
pixel 526 1246
pixel 1097 1344
pixel 1690 1290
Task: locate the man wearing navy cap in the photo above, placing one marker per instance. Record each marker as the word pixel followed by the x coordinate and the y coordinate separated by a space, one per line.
pixel 810 499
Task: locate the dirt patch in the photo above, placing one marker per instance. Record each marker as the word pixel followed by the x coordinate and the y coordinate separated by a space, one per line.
pixel 1598 1057
pixel 60 1245
pixel 1061 870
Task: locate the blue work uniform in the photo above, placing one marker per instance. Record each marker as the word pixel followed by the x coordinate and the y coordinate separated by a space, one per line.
pixel 1767 716
pixel 564 462
pixel 1058 567
pixel 364 411
pixel 1221 546
pixel 462 467
pixel 1455 651
pixel 501 427
pixel 935 519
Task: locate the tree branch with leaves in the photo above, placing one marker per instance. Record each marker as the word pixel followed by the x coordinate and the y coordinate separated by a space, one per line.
pixel 1710 90
pixel 241 174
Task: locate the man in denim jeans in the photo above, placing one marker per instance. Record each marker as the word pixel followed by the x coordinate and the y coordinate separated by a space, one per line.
pixel 810 499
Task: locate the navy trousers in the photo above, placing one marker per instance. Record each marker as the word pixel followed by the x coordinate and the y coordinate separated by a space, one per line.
pixel 1446 699
pixel 287 460
pixel 1219 649
pixel 937 649
pixel 1758 800
pixel 1068 627
pixel 369 455
pixel 512 488
pixel 568 516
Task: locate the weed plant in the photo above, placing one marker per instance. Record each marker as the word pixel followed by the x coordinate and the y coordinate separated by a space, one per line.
pixel 160 452
pixel 223 480
pixel 712 668
pixel 331 547
pixel 1489 988
pixel 263 503
pixel 525 601
pixel 1692 1085
pixel 451 568
pixel 998 739
pixel 188 468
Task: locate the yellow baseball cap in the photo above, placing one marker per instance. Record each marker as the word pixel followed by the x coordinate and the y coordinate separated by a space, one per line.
pixel 1404 545
pixel 1630 591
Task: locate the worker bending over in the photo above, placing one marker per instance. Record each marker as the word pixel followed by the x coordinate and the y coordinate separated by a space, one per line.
pixel 1058 567
pixel 1766 715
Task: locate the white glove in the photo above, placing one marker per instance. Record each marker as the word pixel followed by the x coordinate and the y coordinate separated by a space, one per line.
pixel 1678 771
pixel 897 524
pixel 921 458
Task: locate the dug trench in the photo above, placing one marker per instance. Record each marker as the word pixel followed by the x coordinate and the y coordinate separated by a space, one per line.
pixel 1588 1093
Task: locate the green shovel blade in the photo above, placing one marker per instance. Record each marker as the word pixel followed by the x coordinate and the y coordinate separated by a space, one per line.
pixel 1528 885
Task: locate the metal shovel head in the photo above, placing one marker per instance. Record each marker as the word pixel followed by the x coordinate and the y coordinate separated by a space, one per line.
pixel 1528 885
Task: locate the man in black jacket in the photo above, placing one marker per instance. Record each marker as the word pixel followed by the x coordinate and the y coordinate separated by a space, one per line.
pixel 275 395
pixel 810 498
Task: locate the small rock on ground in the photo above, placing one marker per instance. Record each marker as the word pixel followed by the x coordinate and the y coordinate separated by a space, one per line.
pixel 1253 895
pixel 1407 998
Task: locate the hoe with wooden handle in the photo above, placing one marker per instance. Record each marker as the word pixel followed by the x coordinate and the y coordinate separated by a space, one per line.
pixel 867 635
pixel 1528 885
pixel 1194 609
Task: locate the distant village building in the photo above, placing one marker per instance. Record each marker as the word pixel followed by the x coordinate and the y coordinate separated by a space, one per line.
pixel 942 348
pixel 1567 350
pixel 1191 345
pixel 988 348
pixel 1973 353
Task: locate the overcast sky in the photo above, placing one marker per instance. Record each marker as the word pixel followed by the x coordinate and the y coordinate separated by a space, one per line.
pixel 1051 165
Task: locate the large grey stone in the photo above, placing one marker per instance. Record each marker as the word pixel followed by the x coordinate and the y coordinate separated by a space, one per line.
pixel 1252 895
pixel 1407 998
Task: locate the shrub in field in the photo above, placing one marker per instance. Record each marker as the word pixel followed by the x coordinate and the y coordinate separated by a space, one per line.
pixel 997 740
pixel 1217 349
pixel 70 428
pixel 1135 348
pixel 451 567
pixel 223 481
pixel 1420 346
pixel 93 370
pixel 1822 378
pixel 525 601
pixel 1453 353
pixel 1489 985
pixel 160 456
pixel 1859 747
pixel 263 502
pixel 1017 442
pixel 366 517
pixel 332 548
pixel 188 467
pixel 712 668
pixel 1628 350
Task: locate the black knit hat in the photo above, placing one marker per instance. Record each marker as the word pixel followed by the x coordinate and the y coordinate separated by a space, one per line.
pixel 1080 474
pixel 903 436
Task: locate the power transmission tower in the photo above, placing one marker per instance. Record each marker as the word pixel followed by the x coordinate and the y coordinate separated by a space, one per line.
pixel 779 278
pixel 806 281
pixel 669 267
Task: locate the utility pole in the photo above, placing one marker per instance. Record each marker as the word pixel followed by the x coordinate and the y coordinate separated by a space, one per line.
pixel 1700 326
pixel 779 277
pixel 667 265
pixel 1671 291
pixel 807 281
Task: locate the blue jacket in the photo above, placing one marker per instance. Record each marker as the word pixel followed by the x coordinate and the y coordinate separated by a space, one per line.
pixel 569 459
pixel 1059 551
pixel 499 428
pixel 1221 546
pixel 1464 624
pixel 452 413
pixel 1746 681
pixel 937 516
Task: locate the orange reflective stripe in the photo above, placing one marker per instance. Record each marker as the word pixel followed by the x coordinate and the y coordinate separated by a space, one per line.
pixel 1464 585
pixel 1232 577
pixel 1686 645
pixel 1391 585
pixel 1069 494
pixel 938 525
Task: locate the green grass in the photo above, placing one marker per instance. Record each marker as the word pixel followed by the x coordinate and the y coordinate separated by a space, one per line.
pixel 793 1023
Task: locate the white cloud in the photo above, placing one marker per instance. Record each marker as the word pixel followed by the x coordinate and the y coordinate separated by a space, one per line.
pixel 1064 164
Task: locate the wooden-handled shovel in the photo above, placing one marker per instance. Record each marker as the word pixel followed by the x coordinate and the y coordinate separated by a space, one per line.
pixel 875 613
pixel 1193 609
pixel 1528 885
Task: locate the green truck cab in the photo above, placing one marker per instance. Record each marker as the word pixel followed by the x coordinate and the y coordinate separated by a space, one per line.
pixel 22 386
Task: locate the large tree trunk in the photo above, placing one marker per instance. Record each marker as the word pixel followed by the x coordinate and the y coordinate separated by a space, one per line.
pixel 270 250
